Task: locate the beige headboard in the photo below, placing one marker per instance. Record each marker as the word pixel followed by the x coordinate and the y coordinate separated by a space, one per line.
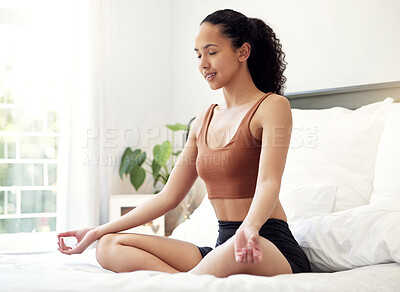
pixel 351 97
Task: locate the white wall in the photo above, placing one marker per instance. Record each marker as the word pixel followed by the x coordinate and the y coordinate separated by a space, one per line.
pixel 137 92
pixel 152 75
pixel 327 44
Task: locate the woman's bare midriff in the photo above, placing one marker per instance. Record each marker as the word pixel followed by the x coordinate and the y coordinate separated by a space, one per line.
pixel 237 209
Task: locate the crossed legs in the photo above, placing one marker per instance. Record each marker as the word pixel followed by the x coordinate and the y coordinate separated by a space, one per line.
pixel 124 252
pixel 132 252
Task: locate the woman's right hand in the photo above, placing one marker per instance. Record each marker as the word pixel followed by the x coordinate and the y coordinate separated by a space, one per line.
pixel 85 237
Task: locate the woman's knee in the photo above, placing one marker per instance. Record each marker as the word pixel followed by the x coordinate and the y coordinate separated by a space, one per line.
pixel 104 249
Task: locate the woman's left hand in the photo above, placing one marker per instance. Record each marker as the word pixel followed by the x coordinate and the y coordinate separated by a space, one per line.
pixel 246 245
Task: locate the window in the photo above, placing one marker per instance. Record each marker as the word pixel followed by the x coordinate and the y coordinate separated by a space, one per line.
pixel 32 87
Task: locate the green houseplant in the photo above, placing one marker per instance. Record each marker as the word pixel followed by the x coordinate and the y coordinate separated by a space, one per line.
pixel 133 162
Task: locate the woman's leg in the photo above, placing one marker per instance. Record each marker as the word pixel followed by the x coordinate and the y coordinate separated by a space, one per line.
pixel 125 252
pixel 221 262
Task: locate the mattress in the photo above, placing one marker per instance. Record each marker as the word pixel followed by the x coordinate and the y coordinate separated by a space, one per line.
pixel 57 272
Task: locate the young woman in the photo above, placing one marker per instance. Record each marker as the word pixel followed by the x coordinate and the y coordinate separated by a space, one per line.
pixel 239 149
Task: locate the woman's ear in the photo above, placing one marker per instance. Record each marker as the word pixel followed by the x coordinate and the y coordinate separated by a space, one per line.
pixel 243 52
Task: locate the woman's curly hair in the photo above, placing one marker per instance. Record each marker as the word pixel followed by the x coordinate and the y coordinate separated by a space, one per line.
pixel 267 60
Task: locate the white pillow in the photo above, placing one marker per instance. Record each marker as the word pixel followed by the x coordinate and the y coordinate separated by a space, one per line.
pixel 337 145
pixel 361 236
pixel 387 167
pixel 201 228
pixel 302 201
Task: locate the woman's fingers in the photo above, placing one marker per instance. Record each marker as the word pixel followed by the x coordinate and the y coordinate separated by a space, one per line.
pixel 238 255
pixel 253 241
pixel 250 258
pixel 63 245
pixel 244 255
pixel 66 234
pixel 247 249
pixel 257 254
pixel 68 252
pixel 83 240
pixel 59 245
pixel 249 255
pixel 250 247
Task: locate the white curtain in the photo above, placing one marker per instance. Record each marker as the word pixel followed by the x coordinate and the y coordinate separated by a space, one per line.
pixel 83 183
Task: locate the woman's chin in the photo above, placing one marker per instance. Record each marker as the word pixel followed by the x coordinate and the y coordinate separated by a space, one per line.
pixel 214 86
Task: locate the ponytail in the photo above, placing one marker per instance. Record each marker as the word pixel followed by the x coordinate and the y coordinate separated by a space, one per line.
pixel 267 60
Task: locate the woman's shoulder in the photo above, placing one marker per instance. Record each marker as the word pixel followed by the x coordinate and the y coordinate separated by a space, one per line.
pixel 275 102
pixel 277 98
pixel 199 120
pixel 274 107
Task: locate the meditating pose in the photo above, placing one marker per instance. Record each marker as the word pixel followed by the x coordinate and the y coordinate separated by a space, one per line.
pixel 239 149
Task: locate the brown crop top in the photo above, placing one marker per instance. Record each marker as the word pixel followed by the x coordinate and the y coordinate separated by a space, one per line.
pixel 231 171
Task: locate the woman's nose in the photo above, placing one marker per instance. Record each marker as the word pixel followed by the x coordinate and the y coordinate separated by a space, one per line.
pixel 203 63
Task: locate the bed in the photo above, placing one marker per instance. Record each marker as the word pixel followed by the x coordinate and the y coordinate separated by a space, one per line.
pixel 341 192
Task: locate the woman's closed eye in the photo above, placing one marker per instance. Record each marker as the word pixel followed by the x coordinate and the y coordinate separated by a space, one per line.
pixel 199 56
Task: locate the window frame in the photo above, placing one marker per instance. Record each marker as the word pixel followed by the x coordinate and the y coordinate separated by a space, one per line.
pixel 32 242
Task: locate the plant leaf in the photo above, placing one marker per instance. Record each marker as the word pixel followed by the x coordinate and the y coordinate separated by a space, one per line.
pixel 137 158
pixel 177 127
pixel 162 153
pixel 166 151
pixel 125 160
pixel 155 167
pixel 141 158
pixel 137 176
pixel 156 179
pixel 157 154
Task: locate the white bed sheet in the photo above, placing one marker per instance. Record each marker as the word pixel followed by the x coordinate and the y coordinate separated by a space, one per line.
pixel 58 272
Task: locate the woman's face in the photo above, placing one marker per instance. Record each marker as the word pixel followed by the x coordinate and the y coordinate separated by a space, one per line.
pixel 217 59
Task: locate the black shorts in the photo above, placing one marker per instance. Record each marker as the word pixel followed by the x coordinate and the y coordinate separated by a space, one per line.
pixel 275 230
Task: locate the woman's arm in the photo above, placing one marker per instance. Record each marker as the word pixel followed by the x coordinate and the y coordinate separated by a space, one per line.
pixel 276 119
pixel 277 127
pixel 181 179
pixel 147 211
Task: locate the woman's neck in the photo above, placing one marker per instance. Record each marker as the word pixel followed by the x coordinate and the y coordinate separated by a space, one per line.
pixel 240 90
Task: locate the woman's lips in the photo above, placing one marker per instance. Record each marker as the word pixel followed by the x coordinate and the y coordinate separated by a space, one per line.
pixel 210 77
